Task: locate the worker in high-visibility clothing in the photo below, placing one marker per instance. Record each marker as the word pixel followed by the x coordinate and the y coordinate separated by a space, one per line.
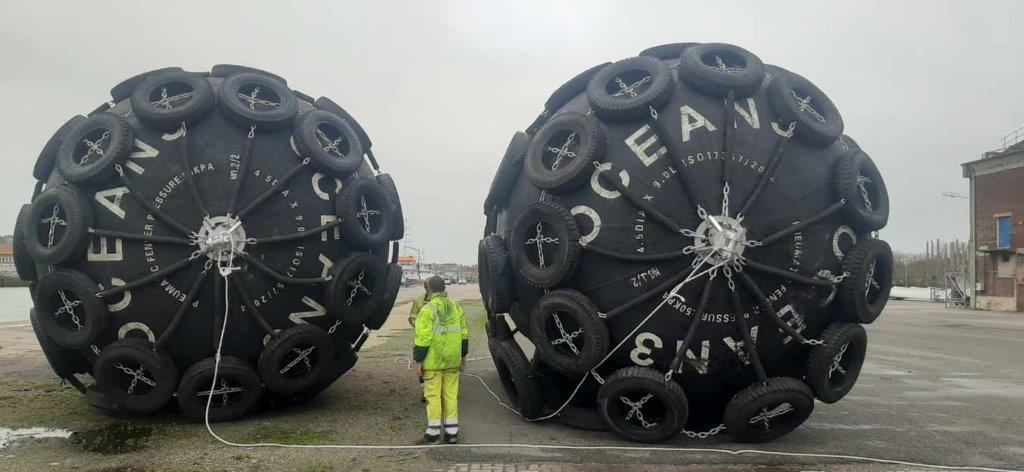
pixel 441 345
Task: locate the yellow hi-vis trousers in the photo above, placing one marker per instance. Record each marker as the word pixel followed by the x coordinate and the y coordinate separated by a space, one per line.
pixel 441 389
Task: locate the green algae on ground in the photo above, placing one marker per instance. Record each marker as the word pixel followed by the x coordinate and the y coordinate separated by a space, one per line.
pixel 114 438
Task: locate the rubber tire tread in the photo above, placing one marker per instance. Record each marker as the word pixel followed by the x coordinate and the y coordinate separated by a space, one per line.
pixel 595 332
pixel 737 424
pixel 526 398
pixel 648 378
pixel 821 357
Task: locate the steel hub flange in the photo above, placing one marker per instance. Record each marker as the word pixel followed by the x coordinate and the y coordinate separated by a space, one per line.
pixel 220 236
pixel 729 237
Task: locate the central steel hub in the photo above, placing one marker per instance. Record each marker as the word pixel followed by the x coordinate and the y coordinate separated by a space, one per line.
pixel 220 236
pixel 723 233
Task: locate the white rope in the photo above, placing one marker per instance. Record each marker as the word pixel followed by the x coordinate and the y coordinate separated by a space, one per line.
pixel 559 447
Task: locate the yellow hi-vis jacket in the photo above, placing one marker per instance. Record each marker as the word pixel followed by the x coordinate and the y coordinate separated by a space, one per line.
pixel 442 335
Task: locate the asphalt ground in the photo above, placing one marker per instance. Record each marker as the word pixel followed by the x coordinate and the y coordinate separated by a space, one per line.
pixel 940 386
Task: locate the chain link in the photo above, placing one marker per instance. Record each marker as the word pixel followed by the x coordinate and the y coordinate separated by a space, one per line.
pixel 704 434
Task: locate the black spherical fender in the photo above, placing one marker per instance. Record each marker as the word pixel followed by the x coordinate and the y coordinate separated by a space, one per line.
pixel 23 263
pixel 296 359
pixel 356 288
pixel 568 332
pixel 797 100
pixel 329 141
pixel 55 232
pixel 69 311
pixel 833 367
pixel 397 216
pixel 517 379
pixel 864 293
pixel 230 188
pixel 544 244
pixel 769 410
pixel 858 181
pixel 134 376
pixel 641 405
pixel 64 362
pixel 707 180
pixel 48 156
pixel 92 148
pixel 718 69
pixel 495 274
pixel 508 171
pixel 628 89
pixel 252 99
pixel 392 284
pixel 165 101
pixel 366 213
pixel 236 391
pixel 562 155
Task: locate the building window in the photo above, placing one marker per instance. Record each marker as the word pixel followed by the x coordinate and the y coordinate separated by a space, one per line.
pixel 1003 232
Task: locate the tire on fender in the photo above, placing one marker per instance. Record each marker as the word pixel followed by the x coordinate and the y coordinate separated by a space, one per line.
pixel 296 359
pixel 356 288
pixel 23 262
pixel 763 412
pixel 552 229
pixel 495 274
pixel 718 68
pixel 260 100
pixel 365 212
pixel 797 100
pixel 642 406
pixel 630 88
pixel 69 311
pixel 562 155
pixel 864 293
pixel 329 141
pixel 859 182
pixel 517 379
pixel 134 376
pixel 393 283
pixel 567 332
pixel 91 149
pixel 237 391
pixel 56 230
pixel 397 216
pixel 165 101
pixel 832 368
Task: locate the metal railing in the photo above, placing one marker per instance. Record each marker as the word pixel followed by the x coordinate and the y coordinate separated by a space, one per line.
pixel 1013 138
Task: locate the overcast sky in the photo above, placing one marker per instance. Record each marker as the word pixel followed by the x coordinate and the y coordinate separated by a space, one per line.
pixel 441 87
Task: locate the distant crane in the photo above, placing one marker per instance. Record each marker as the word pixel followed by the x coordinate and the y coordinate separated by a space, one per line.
pixel 955 195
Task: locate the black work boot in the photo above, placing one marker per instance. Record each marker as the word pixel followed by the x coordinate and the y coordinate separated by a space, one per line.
pixel 451 438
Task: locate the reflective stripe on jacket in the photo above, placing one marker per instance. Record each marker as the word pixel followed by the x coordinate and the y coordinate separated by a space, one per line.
pixel 441 327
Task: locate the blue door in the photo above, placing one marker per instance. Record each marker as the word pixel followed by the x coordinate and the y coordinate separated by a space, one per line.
pixel 1003 232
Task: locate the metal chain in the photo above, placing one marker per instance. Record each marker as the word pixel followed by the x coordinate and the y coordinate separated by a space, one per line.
pixel 704 434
